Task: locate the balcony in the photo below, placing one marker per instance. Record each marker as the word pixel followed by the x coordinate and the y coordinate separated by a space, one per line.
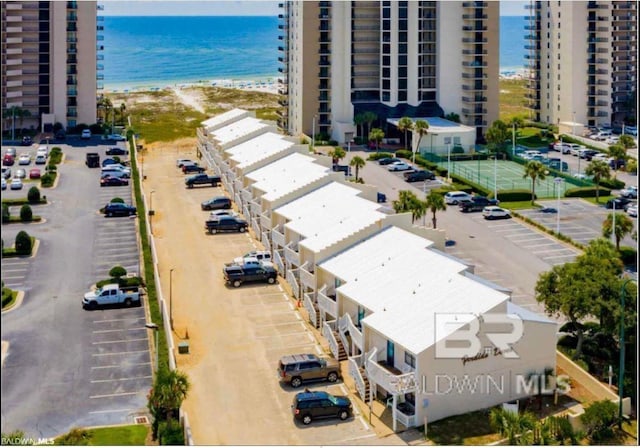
pixel 327 302
pixel 474 76
pixel 293 282
pixel 277 260
pixel 474 40
pixel 307 278
pixel 474 111
pixel 388 377
pixel 474 64
pixel 474 87
pixel 475 99
pixel 312 309
pixel 355 333
pixel 475 16
pixel 265 221
pixel 277 238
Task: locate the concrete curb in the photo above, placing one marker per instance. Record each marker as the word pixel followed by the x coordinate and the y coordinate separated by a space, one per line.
pixel 16 305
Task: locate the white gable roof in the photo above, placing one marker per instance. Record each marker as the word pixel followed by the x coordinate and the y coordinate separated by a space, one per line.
pixel 224 118
pixel 258 148
pixel 329 214
pixel 286 175
pixel 237 129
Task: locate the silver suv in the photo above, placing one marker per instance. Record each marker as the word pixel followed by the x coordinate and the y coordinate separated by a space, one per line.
pixel 296 369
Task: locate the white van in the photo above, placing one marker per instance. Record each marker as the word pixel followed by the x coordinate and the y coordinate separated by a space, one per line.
pixel 42 149
pixel 455 197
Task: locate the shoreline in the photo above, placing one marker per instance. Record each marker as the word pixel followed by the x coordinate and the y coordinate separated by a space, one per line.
pixel 265 83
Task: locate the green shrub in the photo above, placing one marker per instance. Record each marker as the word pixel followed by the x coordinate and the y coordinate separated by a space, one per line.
pixel 457 150
pixel 405 154
pixel 47 180
pixel 628 255
pixel 116 158
pixel 612 184
pixel 380 155
pixel 117 272
pixel 474 187
pixel 6 214
pixel 170 433
pixel 75 437
pixel 33 196
pixel 126 281
pixel 514 195
pixel 51 167
pixel 26 214
pixel 23 243
pixel 120 200
pixel 585 192
pixel 632 167
pixel 56 156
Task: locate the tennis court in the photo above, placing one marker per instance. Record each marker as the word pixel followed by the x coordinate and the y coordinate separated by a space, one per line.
pixel 509 176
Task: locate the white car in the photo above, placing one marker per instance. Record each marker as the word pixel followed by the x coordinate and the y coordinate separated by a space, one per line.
pixel 632 210
pixel 455 197
pixel 630 192
pixel 16 184
pixel 116 137
pixel 41 159
pixel 612 140
pixel 181 162
pixel 398 166
pixel 631 130
pixel 24 159
pixel 43 149
pixel 494 212
pixel 600 156
pixel 224 212
pixel 86 134
pixel 4 183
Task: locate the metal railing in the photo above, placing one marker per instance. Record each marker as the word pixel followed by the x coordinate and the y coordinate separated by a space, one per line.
pixel 277 259
pixel 293 282
pixel 310 307
pixel 327 331
pixel 354 371
pixel 291 254
pixel 277 238
pixel 307 278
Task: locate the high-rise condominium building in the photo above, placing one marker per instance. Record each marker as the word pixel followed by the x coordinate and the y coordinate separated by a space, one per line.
pixel 582 56
pixel 394 58
pixel 51 53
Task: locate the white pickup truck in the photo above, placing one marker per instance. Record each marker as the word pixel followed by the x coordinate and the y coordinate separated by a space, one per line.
pixel 112 294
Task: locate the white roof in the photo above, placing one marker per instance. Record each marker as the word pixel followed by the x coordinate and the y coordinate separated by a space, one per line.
pixel 286 175
pixel 526 314
pixel 438 125
pixel 237 129
pixel 328 215
pixel 258 148
pixel 224 118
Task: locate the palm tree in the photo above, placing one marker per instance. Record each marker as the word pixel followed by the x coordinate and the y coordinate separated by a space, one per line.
pixel 376 135
pixel 452 116
pixel 168 392
pixel 357 162
pixel 408 202
pixel 434 203
pixel 405 124
pixel 599 170
pixel 511 424
pixel 422 128
pixel 22 114
pixel 626 141
pixel 123 109
pixel 624 227
pixel 337 154
pixel 358 120
pixel 369 118
pixel 618 152
pixel 536 171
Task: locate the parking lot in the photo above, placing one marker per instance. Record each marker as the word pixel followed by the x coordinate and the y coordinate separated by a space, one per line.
pixel 236 335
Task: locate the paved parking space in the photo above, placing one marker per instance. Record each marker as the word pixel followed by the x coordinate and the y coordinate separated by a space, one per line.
pixel 15 272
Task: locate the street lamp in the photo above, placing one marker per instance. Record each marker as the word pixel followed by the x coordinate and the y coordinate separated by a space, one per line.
pixel 171 297
pixel 155 328
pixel 151 212
pixel 558 182
pixel 613 221
pixel 449 162
pixel 622 351
pixel 573 124
pixel 513 140
pixel 495 175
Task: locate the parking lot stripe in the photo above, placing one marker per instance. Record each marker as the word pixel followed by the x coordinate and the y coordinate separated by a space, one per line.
pixel 120 353
pixel 290 347
pixel 121 340
pixel 119 329
pixel 530 238
pixel 121 394
pixel 291 305
pixel 16 263
pixel 118 320
pixel 114 366
pixel 549 243
pixel 319 350
pixel 5 277
pixel 111 411
pixel 559 256
pixel 553 250
pixel 16 270
pixel 493 226
pixel 123 379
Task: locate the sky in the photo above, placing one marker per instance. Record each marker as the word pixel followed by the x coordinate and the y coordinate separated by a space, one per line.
pixel 231 8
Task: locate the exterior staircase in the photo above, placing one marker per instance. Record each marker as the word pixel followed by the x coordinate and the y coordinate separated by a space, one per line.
pixel 342 353
pixel 367 386
pixel 316 322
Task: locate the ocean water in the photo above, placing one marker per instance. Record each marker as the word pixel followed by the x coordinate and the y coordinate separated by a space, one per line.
pixel 159 51
pixel 140 51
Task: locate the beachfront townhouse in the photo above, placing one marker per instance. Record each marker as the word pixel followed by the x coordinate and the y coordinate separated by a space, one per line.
pixel 423 333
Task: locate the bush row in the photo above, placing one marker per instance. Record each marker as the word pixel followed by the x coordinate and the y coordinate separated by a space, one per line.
pixel 23 245
pixel 612 184
pixel 26 214
pixel 628 255
pixel 55 157
pixel 47 180
pixel 586 192
pixel 515 195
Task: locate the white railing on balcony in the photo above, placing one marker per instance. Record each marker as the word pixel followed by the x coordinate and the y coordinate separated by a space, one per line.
pixel 307 278
pixel 394 384
pixel 293 282
pixel 245 211
pixel 342 332
pixel 355 333
pixel 266 241
pixel 310 307
pixel 327 332
pixel 277 259
pixel 265 221
pixel 326 303
pixel 256 208
pixel 408 421
pixel 277 239
pixel 255 226
pixel 354 371
pixel 238 200
pixel 291 254
pixel 245 192
pixel 237 183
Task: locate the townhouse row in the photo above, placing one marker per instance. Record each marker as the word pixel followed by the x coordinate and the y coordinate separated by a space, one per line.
pixel 417 328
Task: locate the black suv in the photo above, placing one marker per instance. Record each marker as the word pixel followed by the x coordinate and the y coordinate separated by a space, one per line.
pixel 192 169
pixel 476 204
pixel 308 406
pixel 388 161
pixel 217 203
pixel 27 141
pixel 417 176
pixel 119 209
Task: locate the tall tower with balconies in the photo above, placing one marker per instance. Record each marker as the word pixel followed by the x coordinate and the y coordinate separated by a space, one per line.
pixel 50 61
pixel 582 61
pixel 393 58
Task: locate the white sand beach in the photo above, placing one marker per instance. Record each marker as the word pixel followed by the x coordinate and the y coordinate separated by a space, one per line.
pixel 258 84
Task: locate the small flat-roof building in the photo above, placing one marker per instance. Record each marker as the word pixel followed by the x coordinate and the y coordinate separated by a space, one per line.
pixel 441 133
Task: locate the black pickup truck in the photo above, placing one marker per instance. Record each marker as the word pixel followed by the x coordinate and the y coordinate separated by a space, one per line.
pixel 476 204
pixel 202 179
pixel 236 275
pixel 226 224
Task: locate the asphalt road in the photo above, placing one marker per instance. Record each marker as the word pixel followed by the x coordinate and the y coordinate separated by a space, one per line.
pixel 67 367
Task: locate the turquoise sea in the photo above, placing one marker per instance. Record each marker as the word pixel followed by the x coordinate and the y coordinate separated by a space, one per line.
pixel 159 51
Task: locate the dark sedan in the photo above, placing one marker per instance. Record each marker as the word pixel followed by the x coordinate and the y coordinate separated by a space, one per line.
pixel 417 176
pixel 388 160
pixel 113 181
pixel 192 169
pixel 119 209
pixel 216 203
pixel 117 152
pixel 620 203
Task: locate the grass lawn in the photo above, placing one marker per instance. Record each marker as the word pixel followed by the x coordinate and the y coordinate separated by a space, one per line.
pixel 112 436
pixel 468 429
pixel 11 301
pixel 532 137
pixel 603 200
pixel 518 205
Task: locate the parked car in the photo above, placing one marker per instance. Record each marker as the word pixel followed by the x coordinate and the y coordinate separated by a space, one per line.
pixel 108 161
pixel 632 210
pixel 86 134
pixel 119 209
pixel 587 153
pixel 296 369
pixel 620 203
pixel 16 183
pixel 493 212
pixel 236 275
pixel 181 162
pixel 222 212
pixel 6 172
pixel 4 183
pixel 41 159
pixel 388 160
pixel 117 167
pixel 201 179
pixel 112 294
pixel 20 173
pixel 417 176
pixel 454 197
pixel 308 406
pixel 346 169
pixel 11 152
pixel 27 141
pixel 630 192
pixel 7 160
pixel 398 166
pixel 477 204
pixel 116 152
pixel 34 173
pixel 381 198
pixel 92 160
pixel 631 130
pixel 110 181
pixel 600 156
pixel 116 137
pixel 216 203
pixel 60 135
pixel 260 255
pixel 192 168
pixel 226 224
pixel 24 159
pixel 616 164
